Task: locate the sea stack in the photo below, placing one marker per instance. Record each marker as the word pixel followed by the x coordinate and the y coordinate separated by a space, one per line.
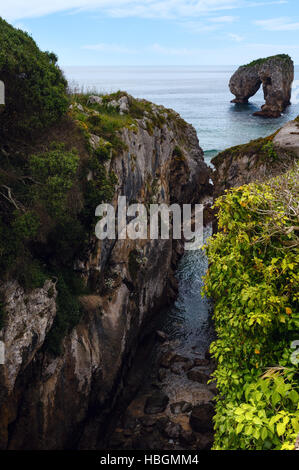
pixel 275 73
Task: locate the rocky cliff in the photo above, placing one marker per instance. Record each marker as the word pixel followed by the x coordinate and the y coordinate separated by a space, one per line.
pixel 275 74
pixel 258 160
pixel 63 400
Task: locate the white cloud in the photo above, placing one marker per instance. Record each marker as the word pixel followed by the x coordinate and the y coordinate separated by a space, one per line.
pixel 236 37
pixel 172 51
pixel 278 24
pixel 19 9
pixel 212 23
pixel 223 19
pixel 199 26
pixel 110 48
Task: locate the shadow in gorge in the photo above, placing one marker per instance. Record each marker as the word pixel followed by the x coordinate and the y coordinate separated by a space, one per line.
pixel 172 405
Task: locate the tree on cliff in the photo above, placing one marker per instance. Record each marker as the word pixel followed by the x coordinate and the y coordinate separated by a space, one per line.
pixel 35 88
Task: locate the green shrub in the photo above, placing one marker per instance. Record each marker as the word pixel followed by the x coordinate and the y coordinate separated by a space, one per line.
pixel 178 154
pixel 253 279
pixel 54 172
pixel 99 189
pixel 31 275
pixel 25 225
pixel 269 150
pixel 35 89
pixel 104 151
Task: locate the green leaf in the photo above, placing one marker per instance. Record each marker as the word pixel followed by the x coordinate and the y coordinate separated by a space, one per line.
pixel 280 428
pixel 239 428
pixel 275 398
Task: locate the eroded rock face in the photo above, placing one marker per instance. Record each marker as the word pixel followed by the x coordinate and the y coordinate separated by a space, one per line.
pixel 275 74
pixel 64 402
pixel 257 160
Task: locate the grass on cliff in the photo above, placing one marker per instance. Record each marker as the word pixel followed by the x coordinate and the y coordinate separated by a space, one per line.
pixel 253 280
pixel 259 147
pixel 280 57
pixel 108 120
pixel 262 148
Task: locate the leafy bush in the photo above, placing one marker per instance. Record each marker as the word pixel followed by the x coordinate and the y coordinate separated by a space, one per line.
pixel 54 172
pixel 26 225
pixel 35 89
pixel 270 151
pixel 31 275
pixel 253 279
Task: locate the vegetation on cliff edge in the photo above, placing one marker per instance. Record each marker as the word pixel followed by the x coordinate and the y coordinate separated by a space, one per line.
pixel 279 57
pixel 35 88
pixel 253 279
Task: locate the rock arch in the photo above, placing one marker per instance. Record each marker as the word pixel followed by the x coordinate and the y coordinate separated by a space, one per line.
pixel 275 74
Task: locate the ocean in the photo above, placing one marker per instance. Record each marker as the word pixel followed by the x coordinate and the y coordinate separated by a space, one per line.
pixel 199 94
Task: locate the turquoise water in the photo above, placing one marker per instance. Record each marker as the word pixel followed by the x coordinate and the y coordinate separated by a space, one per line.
pixel 189 319
pixel 200 94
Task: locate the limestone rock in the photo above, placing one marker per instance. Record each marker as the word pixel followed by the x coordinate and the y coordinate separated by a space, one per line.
pixel 94 141
pixel 250 162
pixel 201 418
pixel 198 376
pixel 187 437
pixel 172 430
pixel 288 137
pixel 156 403
pixel 162 336
pixel 123 104
pixel 275 74
pixel 205 441
pixel 29 317
pixel 167 359
pixel 180 407
pixel 198 362
pixel 162 374
pixel 95 99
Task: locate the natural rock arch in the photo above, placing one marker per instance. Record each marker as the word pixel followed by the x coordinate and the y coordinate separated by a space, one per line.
pixel 275 73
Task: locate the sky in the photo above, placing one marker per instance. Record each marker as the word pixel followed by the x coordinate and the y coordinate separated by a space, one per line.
pixel 159 32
